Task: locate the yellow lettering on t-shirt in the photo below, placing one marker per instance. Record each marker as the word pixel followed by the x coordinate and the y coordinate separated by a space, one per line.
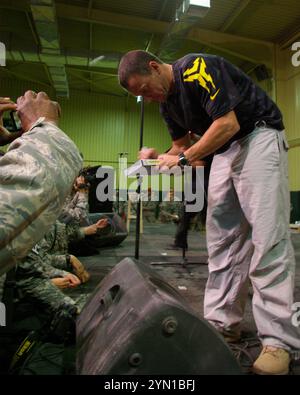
pixel 198 72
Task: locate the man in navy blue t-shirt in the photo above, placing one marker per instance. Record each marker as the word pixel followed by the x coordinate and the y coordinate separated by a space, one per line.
pixel 248 199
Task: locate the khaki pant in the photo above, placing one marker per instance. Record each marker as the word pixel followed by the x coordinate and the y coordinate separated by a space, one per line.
pixel 248 237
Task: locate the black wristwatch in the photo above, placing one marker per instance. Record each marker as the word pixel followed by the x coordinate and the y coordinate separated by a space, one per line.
pixel 182 161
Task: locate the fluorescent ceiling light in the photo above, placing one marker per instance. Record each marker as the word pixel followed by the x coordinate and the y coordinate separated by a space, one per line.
pixel 202 3
pixel 192 9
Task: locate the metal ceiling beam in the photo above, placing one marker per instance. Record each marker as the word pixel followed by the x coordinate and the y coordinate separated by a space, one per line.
pixel 68 57
pixel 287 41
pixel 255 51
pixel 161 12
pixel 83 14
pixel 187 30
pixel 251 50
pixel 33 31
pixel 178 30
pixel 94 71
pixel 229 21
pixel 236 13
pixel 212 35
pixel 45 23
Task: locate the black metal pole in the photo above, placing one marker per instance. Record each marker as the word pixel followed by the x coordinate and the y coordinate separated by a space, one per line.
pixel 139 180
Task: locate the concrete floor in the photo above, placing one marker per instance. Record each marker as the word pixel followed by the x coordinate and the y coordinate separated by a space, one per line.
pixel 189 280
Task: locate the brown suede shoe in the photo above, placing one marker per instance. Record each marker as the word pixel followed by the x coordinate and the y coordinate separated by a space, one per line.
pixel 272 361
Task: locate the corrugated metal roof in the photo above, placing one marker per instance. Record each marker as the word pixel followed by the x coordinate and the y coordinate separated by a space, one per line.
pixel 142 8
pixel 219 12
pixel 268 20
pixel 108 28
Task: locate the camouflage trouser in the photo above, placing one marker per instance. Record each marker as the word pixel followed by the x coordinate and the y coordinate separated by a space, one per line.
pixel 43 294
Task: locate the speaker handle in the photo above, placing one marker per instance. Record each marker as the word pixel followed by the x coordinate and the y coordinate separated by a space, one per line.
pixel 110 297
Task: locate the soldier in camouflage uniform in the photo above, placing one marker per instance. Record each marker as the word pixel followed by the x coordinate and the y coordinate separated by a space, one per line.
pixel 51 257
pixel 53 248
pixel 76 207
pixel 36 174
pixel 40 277
pixel 57 240
pixel 49 266
pixel 36 282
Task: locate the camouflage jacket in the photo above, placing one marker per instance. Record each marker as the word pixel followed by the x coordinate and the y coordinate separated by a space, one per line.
pixel 33 281
pixel 36 174
pixel 41 266
pixel 76 208
pixel 49 256
pixel 54 245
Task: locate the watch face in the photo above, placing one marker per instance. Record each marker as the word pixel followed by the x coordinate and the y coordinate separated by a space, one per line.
pixel 182 160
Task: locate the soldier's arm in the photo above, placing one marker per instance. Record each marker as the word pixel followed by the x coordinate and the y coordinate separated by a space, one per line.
pixel 38 266
pixel 45 293
pixel 36 174
pixel 74 232
pixel 78 207
pixel 60 262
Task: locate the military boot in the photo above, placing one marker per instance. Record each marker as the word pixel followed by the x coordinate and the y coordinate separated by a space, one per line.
pixel 272 361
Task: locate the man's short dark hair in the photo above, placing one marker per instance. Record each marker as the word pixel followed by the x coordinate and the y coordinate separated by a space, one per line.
pixel 135 62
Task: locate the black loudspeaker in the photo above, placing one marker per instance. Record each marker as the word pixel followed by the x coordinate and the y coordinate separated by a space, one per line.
pixel 295 206
pixel 111 236
pixel 136 323
pixel 95 206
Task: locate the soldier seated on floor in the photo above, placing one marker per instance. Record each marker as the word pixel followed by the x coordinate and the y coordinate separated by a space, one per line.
pixel 52 250
pixel 40 308
pixel 76 207
pixel 38 286
pixel 63 271
pixel 39 289
pixel 59 237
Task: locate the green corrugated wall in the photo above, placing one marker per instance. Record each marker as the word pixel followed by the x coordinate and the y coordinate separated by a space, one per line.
pixel 102 125
pixel 288 98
